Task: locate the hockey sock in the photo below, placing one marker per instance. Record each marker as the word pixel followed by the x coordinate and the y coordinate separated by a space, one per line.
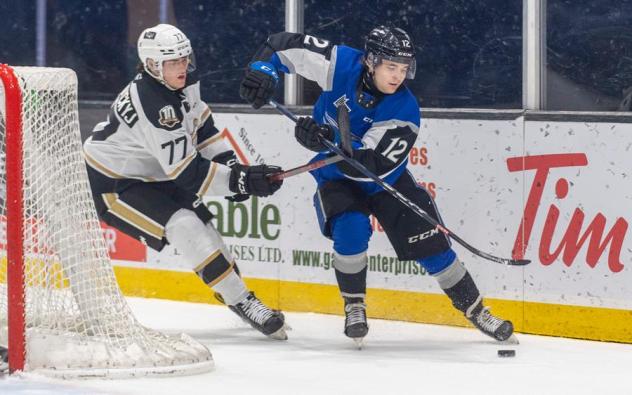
pixel 203 249
pixel 351 274
pixel 232 289
pixel 458 284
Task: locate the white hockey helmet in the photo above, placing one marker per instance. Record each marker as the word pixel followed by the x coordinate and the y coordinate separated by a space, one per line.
pixel 160 43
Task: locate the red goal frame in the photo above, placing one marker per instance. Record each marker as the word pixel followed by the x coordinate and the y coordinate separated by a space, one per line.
pixel 15 213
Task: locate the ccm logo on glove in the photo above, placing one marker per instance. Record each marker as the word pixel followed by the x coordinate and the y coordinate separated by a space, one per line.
pixel 254 180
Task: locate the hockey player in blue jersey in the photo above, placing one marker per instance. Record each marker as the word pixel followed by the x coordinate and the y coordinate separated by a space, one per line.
pixel 384 118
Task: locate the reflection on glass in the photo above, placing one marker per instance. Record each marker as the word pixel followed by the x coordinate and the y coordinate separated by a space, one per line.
pixel 90 37
pixel 98 40
pixel 589 55
pixel 17 32
pixel 225 34
pixel 469 53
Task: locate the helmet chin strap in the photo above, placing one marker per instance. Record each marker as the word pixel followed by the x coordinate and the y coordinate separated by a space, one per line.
pixel 367 93
pixel 368 80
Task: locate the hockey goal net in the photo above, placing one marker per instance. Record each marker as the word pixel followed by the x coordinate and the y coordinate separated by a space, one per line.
pixel 61 310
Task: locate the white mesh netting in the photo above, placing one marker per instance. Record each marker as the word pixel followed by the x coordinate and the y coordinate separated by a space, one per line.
pixel 77 321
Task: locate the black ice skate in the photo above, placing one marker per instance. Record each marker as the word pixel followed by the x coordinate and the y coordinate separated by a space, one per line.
pixel 267 321
pixel 220 299
pixel 4 360
pixel 356 326
pixel 490 325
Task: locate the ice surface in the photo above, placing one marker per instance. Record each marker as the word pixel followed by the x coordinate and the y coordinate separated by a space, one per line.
pixel 397 358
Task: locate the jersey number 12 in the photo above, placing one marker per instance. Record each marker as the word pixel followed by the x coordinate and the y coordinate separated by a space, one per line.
pixel 395 149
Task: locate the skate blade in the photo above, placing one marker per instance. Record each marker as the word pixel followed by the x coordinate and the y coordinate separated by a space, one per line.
pixel 278 335
pixel 359 341
pixel 287 328
pixel 512 340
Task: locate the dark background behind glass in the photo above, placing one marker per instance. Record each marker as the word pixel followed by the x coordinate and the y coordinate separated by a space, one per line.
pixel 589 54
pixel 469 53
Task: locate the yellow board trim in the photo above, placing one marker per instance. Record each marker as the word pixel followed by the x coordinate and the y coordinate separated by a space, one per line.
pixel 528 317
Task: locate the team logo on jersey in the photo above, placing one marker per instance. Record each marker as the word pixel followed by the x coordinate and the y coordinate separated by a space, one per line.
pixel 168 117
pixel 150 35
pixel 342 101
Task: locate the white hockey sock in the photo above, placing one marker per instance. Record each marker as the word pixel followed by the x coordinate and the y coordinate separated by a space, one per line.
pixel 232 289
pixel 204 251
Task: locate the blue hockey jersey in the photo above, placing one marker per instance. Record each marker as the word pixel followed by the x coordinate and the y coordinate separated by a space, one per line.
pixel 383 133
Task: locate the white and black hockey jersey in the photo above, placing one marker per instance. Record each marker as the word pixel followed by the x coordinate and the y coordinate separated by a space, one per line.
pixel 156 134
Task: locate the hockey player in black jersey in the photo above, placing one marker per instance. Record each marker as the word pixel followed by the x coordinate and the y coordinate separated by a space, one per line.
pixel 384 122
pixel 158 154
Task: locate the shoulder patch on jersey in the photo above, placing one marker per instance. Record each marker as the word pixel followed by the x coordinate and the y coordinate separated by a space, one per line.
pixel 125 109
pixel 167 116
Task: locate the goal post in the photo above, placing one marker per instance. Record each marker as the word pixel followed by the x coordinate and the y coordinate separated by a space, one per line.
pixel 15 230
pixel 61 310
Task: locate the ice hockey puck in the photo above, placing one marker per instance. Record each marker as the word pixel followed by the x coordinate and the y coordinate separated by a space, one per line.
pixel 506 353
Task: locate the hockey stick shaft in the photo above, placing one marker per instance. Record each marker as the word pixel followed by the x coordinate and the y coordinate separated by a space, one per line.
pixel 283 110
pixel 404 200
pixel 306 167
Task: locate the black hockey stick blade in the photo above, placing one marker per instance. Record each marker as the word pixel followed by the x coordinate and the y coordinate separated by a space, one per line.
pixel 404 200
pixel 344 126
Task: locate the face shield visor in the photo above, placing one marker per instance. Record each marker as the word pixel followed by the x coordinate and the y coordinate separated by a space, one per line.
pixel 190 59
pixel 376 59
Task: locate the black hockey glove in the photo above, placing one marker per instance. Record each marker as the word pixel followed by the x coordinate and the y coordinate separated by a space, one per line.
pixel 229 159
pixel 259 84
pixel 253 180
pixel 240 197
pixel 306 132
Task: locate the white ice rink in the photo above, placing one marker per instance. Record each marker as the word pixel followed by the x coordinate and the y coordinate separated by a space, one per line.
pixel 398 358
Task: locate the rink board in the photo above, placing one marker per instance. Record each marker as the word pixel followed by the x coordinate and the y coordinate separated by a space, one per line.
pixel 557 193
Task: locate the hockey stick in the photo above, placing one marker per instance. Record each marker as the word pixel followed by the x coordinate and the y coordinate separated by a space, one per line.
pixel 344 126
pixel 405 201
pixel 306 167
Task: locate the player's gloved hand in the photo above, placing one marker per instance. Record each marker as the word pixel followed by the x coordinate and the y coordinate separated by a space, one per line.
pixel 259 83
pixel 307 130
pixel 229 159
pixel 254 180
pixel 240 197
